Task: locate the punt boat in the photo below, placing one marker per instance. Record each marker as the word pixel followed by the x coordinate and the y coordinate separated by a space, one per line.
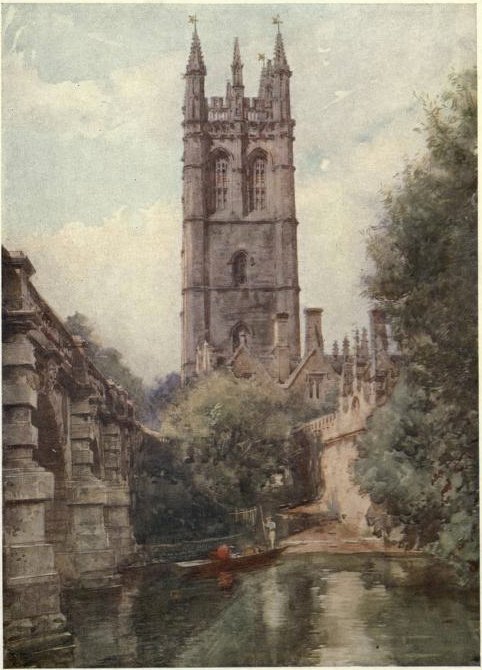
pixel 212 567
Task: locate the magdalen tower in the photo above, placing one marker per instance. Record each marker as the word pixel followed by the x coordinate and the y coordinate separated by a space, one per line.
pixel 239 255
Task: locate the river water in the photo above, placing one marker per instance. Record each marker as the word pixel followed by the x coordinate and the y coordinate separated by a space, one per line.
pixel 306 610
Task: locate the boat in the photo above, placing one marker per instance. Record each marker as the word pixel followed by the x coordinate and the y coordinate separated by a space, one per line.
pixel 213 567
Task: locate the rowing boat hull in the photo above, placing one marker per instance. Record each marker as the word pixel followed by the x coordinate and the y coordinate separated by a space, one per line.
pixel 212 568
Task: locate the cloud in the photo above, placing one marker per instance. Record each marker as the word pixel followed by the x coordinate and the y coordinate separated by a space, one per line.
pixel 124 274
pixel 339 96
pixel 130 103
pixel 68 108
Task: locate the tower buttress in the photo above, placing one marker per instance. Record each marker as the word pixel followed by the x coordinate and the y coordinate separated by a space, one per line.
pixel 194 314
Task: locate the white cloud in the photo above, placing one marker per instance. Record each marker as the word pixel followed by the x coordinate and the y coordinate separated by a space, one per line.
pixel 132 102
pixel 124 274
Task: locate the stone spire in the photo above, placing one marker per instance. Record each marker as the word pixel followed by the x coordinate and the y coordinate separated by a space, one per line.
pixel 194 101
pixel 280 62
pixel 237 65
pixel 281 82
pixel 195 64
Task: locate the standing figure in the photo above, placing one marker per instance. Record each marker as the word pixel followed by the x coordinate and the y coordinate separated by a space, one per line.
pixel 271 528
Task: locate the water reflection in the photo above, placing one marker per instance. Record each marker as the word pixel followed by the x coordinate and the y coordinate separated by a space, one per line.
pixel 308 610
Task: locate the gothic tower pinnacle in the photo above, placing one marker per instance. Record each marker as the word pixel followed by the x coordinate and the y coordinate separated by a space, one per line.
pixel 194 103
pixel 237 65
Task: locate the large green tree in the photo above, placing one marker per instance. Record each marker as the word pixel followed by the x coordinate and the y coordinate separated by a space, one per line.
pixel 236 436
pixel 420 457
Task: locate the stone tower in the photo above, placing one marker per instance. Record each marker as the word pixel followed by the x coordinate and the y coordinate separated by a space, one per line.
pixel 239 255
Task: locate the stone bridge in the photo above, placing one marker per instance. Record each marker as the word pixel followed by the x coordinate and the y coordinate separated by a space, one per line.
pixel 69 435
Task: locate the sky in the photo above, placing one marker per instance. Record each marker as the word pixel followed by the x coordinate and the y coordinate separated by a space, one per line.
pixel 92 145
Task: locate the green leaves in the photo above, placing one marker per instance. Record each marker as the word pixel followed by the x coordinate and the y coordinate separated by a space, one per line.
pixel 239 433
pixel 420 455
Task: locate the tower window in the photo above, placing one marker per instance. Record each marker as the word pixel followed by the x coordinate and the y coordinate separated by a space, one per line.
pixel 240 265
pixel 257 186
pixel 220 184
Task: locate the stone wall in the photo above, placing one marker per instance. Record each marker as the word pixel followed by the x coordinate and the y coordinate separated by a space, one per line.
pixel 341 495
pixel 338 433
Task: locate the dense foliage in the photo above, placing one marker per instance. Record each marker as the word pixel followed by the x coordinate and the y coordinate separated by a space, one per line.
pixel 236 435
pixel 419 458
pixel 229 444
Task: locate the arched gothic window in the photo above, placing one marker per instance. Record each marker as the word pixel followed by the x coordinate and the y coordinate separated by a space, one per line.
pixel 240 267
pixel 219 183
pixel 257 185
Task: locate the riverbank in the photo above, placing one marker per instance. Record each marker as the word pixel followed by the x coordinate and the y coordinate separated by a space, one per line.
pixel 337 538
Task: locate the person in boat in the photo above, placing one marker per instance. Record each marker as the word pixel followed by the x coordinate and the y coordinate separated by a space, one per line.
pixel 222 553
pixel 271 528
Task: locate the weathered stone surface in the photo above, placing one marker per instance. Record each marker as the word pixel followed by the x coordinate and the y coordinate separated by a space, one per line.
pixel 22 523
pixel 19 394
pixel 31 597
pixel 20 433
pixel 17 353
pixel 27 485
pixel 91 492
pixel 30 560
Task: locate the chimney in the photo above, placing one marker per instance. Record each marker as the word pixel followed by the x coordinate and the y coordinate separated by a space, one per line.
pixel 313 336
pixel 281 347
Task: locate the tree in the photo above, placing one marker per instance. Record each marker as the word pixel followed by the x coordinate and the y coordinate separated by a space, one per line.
pixel 420 456
pixel 160 395
pixel 236 436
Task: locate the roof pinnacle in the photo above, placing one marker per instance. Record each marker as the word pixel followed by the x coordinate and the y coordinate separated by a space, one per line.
pixel 279 51
pixel 195 64
pixel 237 65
